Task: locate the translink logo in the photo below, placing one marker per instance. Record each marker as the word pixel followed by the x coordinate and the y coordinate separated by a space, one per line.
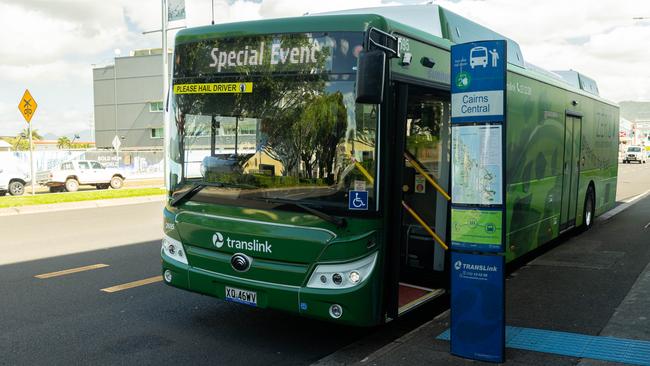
pixel 217 240
pixel 253 246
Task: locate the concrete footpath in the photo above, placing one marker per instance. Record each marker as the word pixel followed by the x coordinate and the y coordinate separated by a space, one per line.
pixel 591 287
pixel 9 211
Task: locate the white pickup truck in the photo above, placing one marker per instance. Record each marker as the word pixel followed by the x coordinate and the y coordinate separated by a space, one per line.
pixel 635 153
pixel 12 181
pixel 71 174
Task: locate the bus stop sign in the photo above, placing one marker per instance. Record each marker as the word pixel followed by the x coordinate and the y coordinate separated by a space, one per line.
pixel 478 123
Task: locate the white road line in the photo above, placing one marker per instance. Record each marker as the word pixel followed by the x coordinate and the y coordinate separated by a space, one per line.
pixel 133 284
pixel 70 271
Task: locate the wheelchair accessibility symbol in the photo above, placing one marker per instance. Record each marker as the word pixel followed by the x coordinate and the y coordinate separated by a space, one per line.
pixel 358 200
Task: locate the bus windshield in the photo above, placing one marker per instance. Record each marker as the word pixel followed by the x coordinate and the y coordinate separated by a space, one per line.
pixel 270 130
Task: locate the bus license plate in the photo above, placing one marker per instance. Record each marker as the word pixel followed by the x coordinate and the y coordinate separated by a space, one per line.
pixel 241 296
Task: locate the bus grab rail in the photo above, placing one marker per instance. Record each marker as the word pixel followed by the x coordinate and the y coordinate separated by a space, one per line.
pixel 425 226
pixel 426 175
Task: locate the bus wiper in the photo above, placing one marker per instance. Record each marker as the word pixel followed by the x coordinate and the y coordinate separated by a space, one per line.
pixel 338 221
pixel 196 188
pixel 186 195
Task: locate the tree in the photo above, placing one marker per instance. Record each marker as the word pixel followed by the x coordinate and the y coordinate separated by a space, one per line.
pixel 63 143
pixel 35 134
pixel 331 120
pixel 19 143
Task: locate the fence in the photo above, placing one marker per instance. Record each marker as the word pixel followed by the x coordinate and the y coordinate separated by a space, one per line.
pixel 134 164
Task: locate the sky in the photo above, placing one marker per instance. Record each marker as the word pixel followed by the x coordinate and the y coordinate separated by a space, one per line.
pixel 50 46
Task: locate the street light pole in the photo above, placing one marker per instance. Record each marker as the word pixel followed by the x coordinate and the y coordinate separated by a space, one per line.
pixel 117 53
pixel 165 87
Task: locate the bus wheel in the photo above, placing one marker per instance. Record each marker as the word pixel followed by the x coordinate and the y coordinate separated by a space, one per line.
pixel 589 210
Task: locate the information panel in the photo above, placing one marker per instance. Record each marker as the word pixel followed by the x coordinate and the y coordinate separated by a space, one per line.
pixel 477 306
pixel 478 71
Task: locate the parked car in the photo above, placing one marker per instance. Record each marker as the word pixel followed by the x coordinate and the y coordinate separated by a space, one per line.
pixel 635 153
pixel 71 174
pixel 12 181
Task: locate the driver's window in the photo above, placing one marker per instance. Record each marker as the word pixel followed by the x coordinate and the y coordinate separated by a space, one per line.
pixel 83 165
pixel 96 165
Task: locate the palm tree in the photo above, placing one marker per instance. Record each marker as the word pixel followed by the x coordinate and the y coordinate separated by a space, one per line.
pixel 35 134
pixel 63 143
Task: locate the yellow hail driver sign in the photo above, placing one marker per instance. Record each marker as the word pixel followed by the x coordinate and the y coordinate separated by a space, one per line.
pixel 27 106
pixel 213 88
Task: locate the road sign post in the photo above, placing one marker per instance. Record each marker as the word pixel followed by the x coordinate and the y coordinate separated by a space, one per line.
pixel 116 145
pixel 27 107
pixel 478 92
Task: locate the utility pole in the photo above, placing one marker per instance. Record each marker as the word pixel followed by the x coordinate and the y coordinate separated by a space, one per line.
pixel 165 69
pixel 117 53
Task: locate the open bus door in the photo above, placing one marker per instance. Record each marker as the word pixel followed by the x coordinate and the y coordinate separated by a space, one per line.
pixel 419 194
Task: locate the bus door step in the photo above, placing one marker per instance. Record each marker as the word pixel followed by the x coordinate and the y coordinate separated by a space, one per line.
pixel 412 296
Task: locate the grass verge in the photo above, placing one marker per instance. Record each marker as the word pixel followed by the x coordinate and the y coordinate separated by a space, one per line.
pixel 43 199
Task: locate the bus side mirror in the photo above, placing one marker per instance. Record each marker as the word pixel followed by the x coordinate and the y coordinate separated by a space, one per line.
pixel 371 72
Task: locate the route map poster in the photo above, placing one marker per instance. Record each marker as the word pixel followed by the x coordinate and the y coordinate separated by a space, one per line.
pixel 477 170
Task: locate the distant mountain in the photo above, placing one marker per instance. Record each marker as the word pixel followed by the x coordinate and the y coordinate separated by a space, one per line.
pixel 86 136
pixel 635 110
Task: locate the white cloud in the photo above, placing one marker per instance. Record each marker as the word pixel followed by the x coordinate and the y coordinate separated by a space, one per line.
pixel 52 44
pixel 598 38
pixel 48 31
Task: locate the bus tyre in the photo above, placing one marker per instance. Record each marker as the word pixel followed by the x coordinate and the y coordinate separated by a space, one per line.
pixel 16 188
pixel 589 210
pixel 71 185
pixel 116 182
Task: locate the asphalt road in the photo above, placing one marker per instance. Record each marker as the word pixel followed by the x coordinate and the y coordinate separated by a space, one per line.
pixel 67 319
pixel 633 179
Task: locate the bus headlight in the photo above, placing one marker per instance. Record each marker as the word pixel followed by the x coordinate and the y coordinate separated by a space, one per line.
pixel 343 275
pixel 173 249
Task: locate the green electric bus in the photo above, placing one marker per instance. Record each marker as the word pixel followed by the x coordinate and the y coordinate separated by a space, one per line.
pixel 309 160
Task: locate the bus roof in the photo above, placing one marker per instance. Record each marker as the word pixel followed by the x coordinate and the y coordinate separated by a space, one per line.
pixel 431 23
pixel 343 23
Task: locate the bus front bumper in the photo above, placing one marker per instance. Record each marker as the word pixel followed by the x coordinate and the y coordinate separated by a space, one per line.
pixel 360 305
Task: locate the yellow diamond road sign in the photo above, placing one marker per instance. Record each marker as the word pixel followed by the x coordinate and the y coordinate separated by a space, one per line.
pixel 27 106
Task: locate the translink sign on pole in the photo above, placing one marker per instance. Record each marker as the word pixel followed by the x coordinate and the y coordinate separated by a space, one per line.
pixel 478 124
